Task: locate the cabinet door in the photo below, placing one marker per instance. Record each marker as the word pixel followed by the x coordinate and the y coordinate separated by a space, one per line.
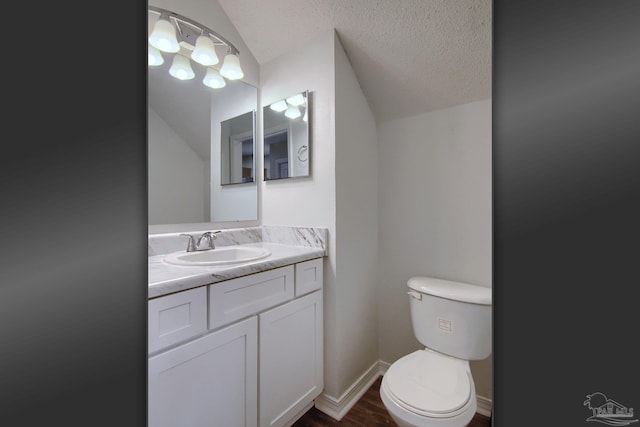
pixel 291 366
pixel 211 381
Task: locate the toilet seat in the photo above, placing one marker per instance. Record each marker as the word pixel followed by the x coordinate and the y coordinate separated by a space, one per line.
pixel 429 384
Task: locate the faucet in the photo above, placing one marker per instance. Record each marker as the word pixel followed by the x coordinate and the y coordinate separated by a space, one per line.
pixel 209 236
pixel 193 245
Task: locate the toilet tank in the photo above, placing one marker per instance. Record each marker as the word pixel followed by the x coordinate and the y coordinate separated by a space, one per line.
pixel 451 317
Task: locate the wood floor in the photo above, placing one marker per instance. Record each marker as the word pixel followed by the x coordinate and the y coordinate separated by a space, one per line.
pixel 368 412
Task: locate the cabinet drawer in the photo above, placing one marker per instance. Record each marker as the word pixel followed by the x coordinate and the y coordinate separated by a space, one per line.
pixel 308 276
pixel 176 318
pixel 237 298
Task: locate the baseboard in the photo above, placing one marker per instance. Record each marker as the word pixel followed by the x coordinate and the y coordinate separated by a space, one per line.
pixel 484 406
pixel 337 408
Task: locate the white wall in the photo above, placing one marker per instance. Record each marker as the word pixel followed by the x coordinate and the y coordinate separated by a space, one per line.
pixel 356 226
pixel 435 214
pixel 176 176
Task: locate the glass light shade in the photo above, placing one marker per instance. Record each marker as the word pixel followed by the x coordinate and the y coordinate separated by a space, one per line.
pixel 279 106
pixel 205 52
pixel 181 68
pixel 213 79
pixel 163 36
pixel 296 100
pixel 155 57
pixel 293 112
pixel 231 67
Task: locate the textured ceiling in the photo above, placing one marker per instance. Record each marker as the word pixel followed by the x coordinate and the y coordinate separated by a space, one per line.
pixel 410 56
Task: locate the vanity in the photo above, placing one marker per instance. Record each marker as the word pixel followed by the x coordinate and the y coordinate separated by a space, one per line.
pixel 236 343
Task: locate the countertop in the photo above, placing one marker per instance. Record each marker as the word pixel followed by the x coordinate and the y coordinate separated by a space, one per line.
pixel 166 278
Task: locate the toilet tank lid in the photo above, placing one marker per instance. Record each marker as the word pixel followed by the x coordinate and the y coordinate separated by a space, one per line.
pixel 456 291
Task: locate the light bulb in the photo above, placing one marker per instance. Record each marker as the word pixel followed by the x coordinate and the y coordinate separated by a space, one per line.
pixel 293 112
pixel 213 79
pixel 231 67
pixel 296 100
pixel 279 106
pixel 205 51
pixel 155 57
pixel 163 36
pixel 181 68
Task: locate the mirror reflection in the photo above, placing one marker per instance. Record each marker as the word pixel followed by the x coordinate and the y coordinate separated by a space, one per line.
pixel 185 119
pixel 236 145
pixel 286 137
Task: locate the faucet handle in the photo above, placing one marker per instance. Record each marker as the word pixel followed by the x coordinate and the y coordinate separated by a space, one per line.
pixel 191 244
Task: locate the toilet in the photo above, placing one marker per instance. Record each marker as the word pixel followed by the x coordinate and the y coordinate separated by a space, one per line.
pixel 434 386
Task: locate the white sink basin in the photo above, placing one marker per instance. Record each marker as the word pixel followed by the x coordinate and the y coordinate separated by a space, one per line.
pixel 219 256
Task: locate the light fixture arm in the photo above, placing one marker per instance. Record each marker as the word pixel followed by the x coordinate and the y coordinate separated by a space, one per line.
pixel 189 30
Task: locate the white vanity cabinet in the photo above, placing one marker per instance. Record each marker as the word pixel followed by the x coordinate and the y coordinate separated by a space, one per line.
pixel 245 352
pixel 211 381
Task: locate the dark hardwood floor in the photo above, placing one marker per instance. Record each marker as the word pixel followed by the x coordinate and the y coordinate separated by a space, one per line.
pixel 368 412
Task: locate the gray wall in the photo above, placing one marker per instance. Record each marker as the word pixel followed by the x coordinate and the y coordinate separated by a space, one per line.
pixel 176 176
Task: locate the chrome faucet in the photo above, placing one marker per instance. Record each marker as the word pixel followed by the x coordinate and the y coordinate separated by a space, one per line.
pixel 209 236
pixel 193 245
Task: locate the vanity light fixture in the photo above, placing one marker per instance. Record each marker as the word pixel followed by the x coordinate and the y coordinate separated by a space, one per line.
pixel 155 57
pixel 231 67
pixel 213 79
pixel 279 106
pixel 296 100
pixel 293 112
pixel 186 38
pixel 163 36
pixel 205 52
pixel 181 68
pixel 291 106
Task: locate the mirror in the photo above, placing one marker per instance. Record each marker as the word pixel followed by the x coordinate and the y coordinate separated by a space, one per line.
pixel 185 119
pixel 236 149
pixel 286 137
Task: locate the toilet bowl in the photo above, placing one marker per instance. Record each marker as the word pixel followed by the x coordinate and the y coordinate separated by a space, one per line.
pixel 434 387
pixel 425 388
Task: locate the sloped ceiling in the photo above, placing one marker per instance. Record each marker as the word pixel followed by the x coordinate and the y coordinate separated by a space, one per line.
pixel 410 56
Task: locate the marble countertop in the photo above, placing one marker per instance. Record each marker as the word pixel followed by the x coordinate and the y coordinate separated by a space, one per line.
pixel 166 278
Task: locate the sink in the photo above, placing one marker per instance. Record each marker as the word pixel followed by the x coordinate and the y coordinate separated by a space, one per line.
pixel 219 256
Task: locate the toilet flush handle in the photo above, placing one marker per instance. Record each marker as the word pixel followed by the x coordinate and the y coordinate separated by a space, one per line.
pixel 416 295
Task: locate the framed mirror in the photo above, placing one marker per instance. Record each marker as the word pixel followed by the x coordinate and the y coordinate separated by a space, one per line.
pixel 286 137
pixel 185 119
pixel 237 138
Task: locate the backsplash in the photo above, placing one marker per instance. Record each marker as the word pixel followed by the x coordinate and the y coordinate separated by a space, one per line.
pixel 296 236
pixel 159 244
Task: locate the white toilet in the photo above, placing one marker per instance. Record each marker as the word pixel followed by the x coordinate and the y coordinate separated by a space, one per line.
pixel 434 386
